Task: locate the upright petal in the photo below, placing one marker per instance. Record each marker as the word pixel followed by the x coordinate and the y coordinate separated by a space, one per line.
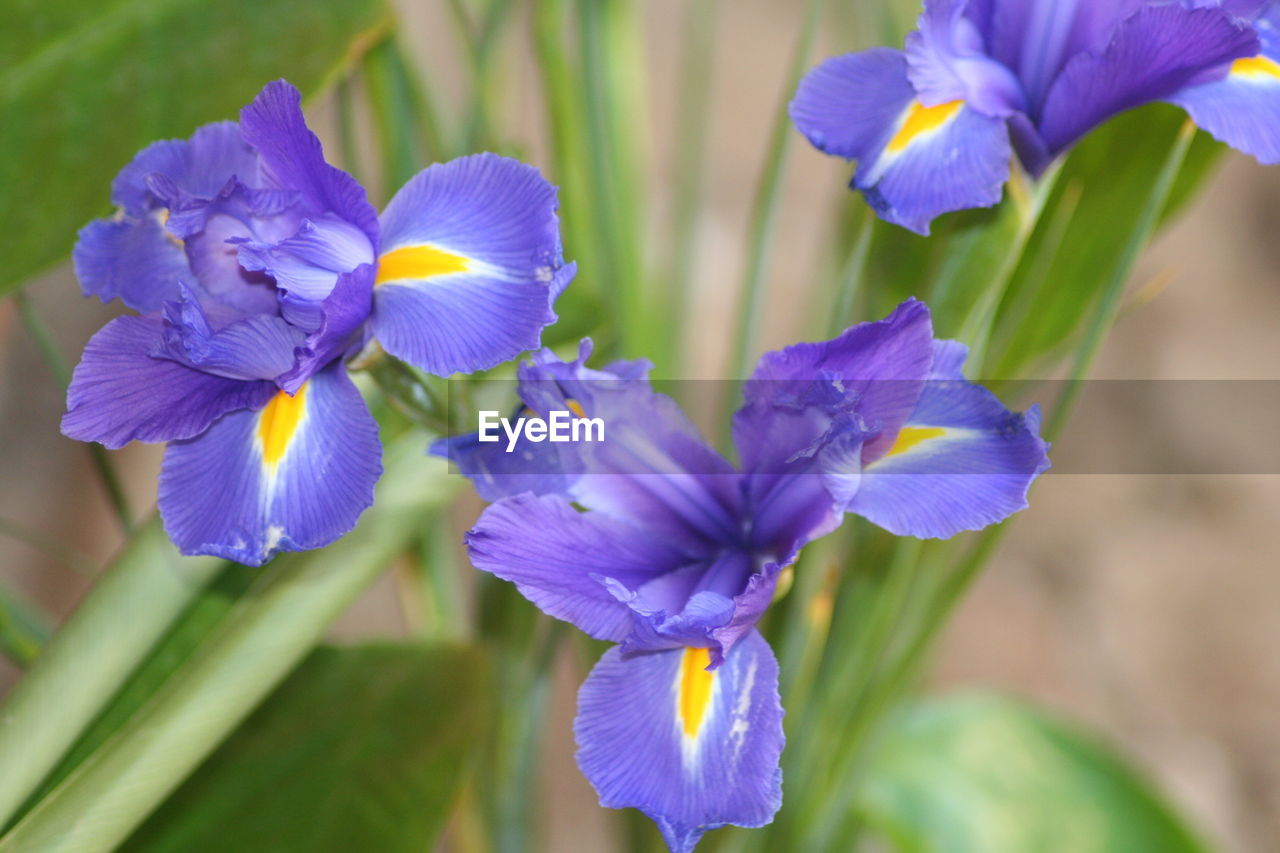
pixel 560 559
pixel 1243 108
pixel 880 367
pixel 693 749
pixel 290 476
pixel 915 162
pixel 1155 53
pixel 961 462
pixel 947 61
pixel 293 159
pixel 121 393
pixel 470 265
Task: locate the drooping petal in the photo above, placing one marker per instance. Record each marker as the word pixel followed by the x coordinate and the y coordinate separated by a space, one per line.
pixel 293 159
pixel 693 749
pixel 135 261
pixel 560 559
pixel 915 163
pixel 121 393
pixel 470 265
pixel 961 462
pixel 1154 54
pixel 1243 108
pixel 290 476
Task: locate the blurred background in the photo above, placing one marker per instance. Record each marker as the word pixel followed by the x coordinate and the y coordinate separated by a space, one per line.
pixel 1145 605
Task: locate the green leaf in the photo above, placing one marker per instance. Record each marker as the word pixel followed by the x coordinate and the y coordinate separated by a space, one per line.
pixel 1108 183
pixel 360 749
pixel 985 774
pixel 83 86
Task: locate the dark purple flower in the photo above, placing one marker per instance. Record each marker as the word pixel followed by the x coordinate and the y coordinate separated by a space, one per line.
pixel 677 553
pixel 934 127
pixel 255 268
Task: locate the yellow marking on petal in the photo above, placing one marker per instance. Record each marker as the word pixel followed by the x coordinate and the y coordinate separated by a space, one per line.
pixel 1256 68
pixel 575 407
pixel 278 424
pixel 414 263
pixel 921 120
pixel 909 437
pixel 695 689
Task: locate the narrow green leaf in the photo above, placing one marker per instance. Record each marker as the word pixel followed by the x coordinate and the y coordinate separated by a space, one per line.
pixel 84 86
pixel 1110 179
pixel 126 612
pixel 984 774
pixel 259 641
pixel 361 748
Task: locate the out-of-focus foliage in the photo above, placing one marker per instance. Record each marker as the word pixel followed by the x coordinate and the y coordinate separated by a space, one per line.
pixel 361 749
pixel 83 86
pixel 984 774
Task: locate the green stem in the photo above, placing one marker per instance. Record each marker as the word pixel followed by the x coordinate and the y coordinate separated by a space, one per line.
pixel 1108 309
pixel 849 298
pixel 108 635
pixel 62 373
pixel 23 629
pixel 612 76
pixel 267 632
pixel 765 209
pixel 348 147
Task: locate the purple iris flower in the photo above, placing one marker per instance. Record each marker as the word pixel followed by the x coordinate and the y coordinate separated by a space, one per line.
pixel 255 268
pixel 676 553
pixel 934 127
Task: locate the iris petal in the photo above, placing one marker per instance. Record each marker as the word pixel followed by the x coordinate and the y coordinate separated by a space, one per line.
pixel 693 750
pixel 470 265
pixel 121 393
pixel 288 476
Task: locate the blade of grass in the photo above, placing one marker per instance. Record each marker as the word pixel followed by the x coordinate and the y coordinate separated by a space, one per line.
pixel 765 208
pixel 691 156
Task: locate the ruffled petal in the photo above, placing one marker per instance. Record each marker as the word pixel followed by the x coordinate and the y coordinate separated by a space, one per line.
pixel 290 476
pixel 1243 108
pixel 692 749
pixel 200 166
pixel 293 159
pixel 258 347
pixel 947 61
pixel 121 393
pixel 880 368
pixel 962 461
pixel 1153 54
pixel 560 559
pixel 915 163
pixel 135 261
pixel 470 265
pixel 336 324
